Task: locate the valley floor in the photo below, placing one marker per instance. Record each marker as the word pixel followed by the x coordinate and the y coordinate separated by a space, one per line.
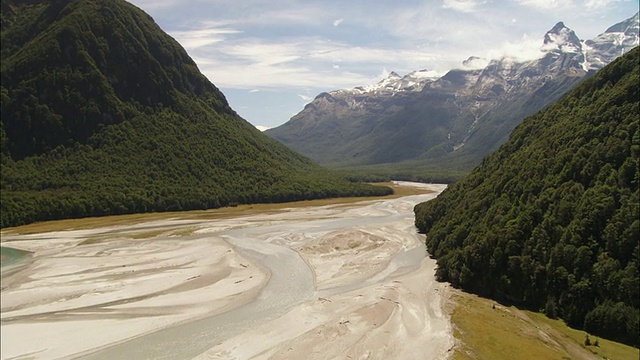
pixel 323 282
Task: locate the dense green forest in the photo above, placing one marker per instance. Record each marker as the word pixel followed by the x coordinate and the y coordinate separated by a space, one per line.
pixel 550 221
pixel 405 171
pixel 103 113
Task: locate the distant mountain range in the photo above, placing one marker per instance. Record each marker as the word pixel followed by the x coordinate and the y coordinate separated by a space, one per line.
pixel 104 113
pixel 449 122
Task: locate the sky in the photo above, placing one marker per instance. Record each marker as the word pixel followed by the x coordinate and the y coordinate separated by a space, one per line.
pixel 270 58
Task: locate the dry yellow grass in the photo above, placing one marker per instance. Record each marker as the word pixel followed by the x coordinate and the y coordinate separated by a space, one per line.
pixel 485 329
pixel 148 234
pixel 606 349
pixel 485 332
pixel 142 235
pixel 95 240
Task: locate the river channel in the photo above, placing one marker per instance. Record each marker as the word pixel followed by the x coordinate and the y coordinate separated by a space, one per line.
pixel 339 281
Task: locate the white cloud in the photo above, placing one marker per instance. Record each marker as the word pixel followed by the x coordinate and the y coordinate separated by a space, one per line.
pixel 264 53
pixel 599 4
pixel 192 39
pixel 546 4
pixel 437 29
pixel 238 76
pixel 338 22
pixel 305 97
pixel 384 73
pixel 589 5
pixel 525 49
pixel 262 127
pixel 304 62
pixel 462 5
pixel 360 54
pixel 279 13
pixel 148 5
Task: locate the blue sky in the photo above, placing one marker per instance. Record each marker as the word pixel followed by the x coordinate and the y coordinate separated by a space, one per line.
pixel 272 57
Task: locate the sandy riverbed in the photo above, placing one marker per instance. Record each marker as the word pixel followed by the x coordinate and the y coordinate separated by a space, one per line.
pixel 340 281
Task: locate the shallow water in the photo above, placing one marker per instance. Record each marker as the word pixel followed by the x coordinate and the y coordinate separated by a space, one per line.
pixel 10 257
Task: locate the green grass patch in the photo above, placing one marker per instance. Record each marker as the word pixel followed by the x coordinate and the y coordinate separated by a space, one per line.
pixel 606 349
pixel 485 332
pixel 485 329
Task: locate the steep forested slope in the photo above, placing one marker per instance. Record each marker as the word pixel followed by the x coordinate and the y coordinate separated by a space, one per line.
pixel 551 219
pixel 103 113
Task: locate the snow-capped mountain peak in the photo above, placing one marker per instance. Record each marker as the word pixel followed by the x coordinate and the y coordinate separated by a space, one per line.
pixel 393 75
pixel 615 41
pixel 629 27
pixel 561 38
pixel 561 47
pixel 393 83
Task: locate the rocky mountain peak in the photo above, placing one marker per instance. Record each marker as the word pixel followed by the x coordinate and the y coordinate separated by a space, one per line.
pixel 629 27
pixel 393 83
pixel 561 38
pixel 615 41
pixel 475 62
pixel 557 28
pixel 393 75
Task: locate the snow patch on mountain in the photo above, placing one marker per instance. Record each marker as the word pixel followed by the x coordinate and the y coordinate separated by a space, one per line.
pixel 614 42
pixel 394 83
pixel 561 38
pixel 561 46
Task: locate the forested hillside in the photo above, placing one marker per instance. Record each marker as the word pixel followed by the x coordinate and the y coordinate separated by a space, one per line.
pixel 103 113
pixel 550 221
